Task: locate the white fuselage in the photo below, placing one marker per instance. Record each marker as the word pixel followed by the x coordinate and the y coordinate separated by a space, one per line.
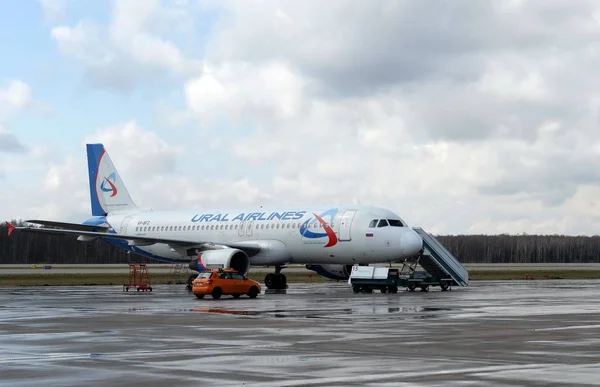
pixel 336 235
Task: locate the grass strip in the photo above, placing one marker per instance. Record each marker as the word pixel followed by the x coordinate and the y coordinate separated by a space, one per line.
pixel 499 275
pixel 90 279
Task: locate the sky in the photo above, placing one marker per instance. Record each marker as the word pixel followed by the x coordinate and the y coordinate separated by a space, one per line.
pixel 463 117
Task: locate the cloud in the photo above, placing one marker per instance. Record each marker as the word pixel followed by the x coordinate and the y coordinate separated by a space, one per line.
pixel 9 142
pixel 432 108
pixel 54 10
pixel 15 96
pixel 409 42
pixel 461 116
pixel 128 52
pixel 141 152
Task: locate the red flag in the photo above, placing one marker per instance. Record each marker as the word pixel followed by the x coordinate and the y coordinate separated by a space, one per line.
pixel 11 228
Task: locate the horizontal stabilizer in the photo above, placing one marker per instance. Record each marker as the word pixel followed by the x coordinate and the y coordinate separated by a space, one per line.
pixel 70 226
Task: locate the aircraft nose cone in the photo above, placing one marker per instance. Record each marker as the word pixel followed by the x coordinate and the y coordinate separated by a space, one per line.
pixel 411 243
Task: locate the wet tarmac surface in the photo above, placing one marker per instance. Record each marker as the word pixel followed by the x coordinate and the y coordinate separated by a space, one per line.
pixel 522 333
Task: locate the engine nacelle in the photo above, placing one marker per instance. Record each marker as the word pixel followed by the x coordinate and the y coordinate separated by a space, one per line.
pixel 222 259
pixel 334 272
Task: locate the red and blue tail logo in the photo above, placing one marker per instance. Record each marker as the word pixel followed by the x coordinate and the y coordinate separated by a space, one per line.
pixel 329 233
pixel 108 184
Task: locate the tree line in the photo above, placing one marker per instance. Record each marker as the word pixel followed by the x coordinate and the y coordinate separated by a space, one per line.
pixel 38 248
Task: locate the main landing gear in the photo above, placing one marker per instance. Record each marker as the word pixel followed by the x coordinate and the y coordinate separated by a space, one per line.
pixel 277 280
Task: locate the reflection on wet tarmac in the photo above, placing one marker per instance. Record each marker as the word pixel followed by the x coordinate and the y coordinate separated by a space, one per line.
pixel 490 334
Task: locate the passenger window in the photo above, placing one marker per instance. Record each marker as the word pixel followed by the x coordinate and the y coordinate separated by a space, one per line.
pixel 382 223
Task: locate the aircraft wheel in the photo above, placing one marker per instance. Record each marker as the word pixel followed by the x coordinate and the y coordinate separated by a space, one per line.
pixel 190 281
pixel 281 281
pixel 270 280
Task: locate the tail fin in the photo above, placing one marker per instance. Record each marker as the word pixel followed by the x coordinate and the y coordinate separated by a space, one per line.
pixel 107 191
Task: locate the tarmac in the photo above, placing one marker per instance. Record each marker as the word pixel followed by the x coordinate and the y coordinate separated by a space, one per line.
pixel 519 333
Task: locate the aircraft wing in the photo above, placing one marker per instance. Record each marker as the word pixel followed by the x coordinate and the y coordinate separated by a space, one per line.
pixel 72 226
pixel 138 240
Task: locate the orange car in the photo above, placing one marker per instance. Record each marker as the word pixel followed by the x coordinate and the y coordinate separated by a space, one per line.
pixel 224 282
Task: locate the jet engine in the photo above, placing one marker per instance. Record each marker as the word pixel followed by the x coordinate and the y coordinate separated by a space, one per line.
pixel 334 272
pixel 222 259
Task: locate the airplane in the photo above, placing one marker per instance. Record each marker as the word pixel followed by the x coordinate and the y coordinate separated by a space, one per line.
pixel 328 240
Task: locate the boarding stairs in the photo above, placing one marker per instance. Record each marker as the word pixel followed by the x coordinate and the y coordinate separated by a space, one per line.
pixel 437 261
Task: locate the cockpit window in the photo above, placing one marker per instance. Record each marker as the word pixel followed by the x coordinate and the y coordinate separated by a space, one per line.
pixel 395 223
pixel 373 223
pixel 382 223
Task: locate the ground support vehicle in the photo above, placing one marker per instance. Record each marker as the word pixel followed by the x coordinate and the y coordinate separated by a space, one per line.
pixel 441 269
pixel 219 282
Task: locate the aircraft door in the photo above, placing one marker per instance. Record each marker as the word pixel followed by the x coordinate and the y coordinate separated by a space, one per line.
pixel 345 225
pixel 124 224
pixel 249 226
pixel 242 228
